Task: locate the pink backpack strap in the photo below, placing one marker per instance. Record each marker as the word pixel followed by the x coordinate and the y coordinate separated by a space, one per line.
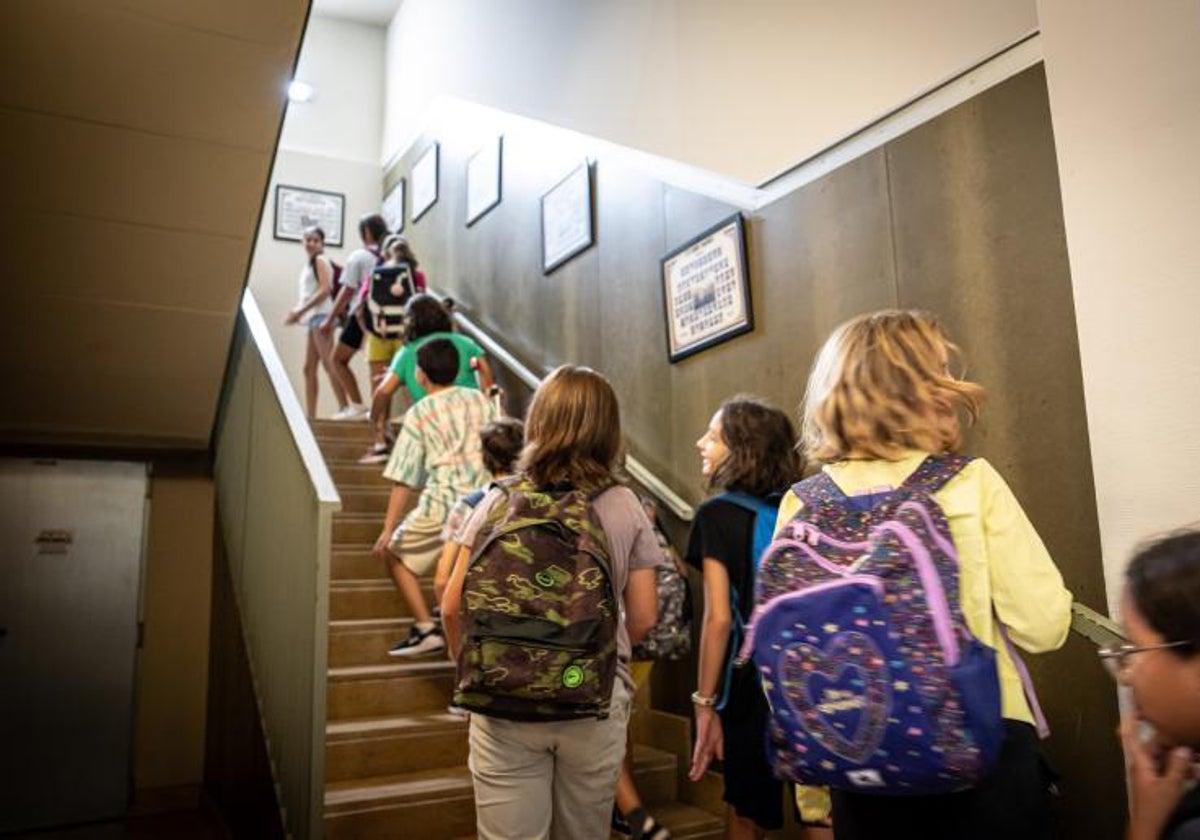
pixel 1043 728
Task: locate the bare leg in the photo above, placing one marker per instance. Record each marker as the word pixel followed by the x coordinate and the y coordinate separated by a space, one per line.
pixel 324 342
pixel 311 360
pixel 410 588
pixel 341 365
pixel 740 828
pixel 378 371
pixel 627 793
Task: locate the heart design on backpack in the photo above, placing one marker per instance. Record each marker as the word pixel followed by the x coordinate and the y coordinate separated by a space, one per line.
pixel 841 695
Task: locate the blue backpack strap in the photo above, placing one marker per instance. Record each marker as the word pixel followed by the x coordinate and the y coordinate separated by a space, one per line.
pixel 933 473
pixel 765 514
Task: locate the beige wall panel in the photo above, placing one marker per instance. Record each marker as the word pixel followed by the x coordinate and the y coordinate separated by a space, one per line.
pixel 60 165
pixel 263 21
pixel 630 320
pixel 126 262
pixel 97 69
pixel 173 663
pixel 126 370
pixel 979 240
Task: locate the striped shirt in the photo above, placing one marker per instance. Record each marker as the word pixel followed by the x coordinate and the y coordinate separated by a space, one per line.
pixel 438 449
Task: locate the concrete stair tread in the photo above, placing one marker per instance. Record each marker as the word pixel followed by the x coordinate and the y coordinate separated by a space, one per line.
pixel 686 822
pixel 381 791
pixel 371 727
pixel 361 625
pixel 349 584
pixel 411 667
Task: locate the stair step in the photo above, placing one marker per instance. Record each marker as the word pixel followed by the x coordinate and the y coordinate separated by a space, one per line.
pixel 341 429
pixel 364 641
pixel 382 746
pixel 433 803
pixel 354 562
pixel 356 528
pixel 345 448
pixel 374 598
pixel 404 688
pixel 366 499
pixel 346 473
pixel 443 798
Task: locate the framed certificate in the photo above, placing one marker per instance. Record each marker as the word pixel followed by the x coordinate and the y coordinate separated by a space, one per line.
pixel 483 179
pixel 297 208
pixel 393 207
pixel 567 227
pixel 425 182
pixel 706 291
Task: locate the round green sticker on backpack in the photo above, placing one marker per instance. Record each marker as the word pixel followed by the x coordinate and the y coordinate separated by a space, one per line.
pixel 544 579
pixel 572 676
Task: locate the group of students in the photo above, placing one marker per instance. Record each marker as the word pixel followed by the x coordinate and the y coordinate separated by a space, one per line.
pixel 860 628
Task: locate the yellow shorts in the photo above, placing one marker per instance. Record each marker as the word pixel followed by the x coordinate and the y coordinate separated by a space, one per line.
pixel 381 350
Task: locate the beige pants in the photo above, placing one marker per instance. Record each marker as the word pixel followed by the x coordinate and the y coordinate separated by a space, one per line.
pixel 535 781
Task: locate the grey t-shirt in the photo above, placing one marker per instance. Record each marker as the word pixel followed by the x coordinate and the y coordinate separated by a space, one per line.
pixel 359 267
pixel 631 545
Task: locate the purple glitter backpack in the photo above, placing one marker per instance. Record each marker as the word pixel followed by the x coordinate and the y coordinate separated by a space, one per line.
pixel 876 684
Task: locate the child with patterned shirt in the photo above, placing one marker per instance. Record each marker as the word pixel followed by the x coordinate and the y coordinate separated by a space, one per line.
pixel 437 454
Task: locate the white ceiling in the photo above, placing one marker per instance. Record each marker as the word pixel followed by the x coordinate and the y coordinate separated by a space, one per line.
pixel 135 148
pixel 377 12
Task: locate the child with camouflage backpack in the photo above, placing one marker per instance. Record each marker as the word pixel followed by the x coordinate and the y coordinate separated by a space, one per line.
pixel 555 580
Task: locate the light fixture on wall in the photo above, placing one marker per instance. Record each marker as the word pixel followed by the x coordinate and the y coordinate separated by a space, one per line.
pixel 299 91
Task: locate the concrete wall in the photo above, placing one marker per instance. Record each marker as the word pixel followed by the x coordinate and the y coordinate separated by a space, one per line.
pixel 747 89
pixel 1124 80
pixel 173 664
pixel 330 143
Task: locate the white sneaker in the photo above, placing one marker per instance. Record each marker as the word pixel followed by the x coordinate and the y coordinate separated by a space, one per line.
pixel 376 455
pixel 418 643
pixel 353 412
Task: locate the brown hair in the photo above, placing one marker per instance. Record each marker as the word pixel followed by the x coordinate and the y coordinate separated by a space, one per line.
pixel 1163 581
pixel 502 441
pixel 882 384
pixel 762 448
pixel 572 430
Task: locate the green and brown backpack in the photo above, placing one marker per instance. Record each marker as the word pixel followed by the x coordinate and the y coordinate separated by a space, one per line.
pixel 540 609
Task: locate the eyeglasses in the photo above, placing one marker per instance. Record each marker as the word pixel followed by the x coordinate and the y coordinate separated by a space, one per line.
pixel 1116 659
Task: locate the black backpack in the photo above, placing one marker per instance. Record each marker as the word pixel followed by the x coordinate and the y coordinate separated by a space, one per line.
pixel 391 287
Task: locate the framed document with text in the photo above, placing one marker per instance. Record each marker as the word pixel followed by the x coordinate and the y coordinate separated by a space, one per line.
pixel 483 179
pixel 706 290
pixel 393 207
pixel 567 218
pixel 425 182
pixel 297 208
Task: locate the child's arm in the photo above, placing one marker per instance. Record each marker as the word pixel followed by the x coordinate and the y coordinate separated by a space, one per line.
pixel 714 640
pixel 382 398
pixel 452 602
pixel 441 576
pixel 1028 594
pixel 397 503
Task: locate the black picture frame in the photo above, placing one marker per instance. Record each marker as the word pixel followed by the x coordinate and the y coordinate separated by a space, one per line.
pixel 494 178
pixel 392 207
pixel 291 220
pixel 419 209
pixel 718 257
pixel 570 227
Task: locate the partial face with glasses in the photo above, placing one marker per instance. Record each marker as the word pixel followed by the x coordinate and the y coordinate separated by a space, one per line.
pixel 1163 674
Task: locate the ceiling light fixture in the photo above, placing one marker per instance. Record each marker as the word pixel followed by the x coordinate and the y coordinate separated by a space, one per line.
pixel 299 91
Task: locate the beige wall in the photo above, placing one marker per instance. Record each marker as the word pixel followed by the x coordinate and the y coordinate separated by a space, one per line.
pixel 172 689
pixel 746 89
pixel 1124 80
pixel 330 143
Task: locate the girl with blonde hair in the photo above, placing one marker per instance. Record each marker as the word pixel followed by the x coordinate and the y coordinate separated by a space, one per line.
pixel 883 411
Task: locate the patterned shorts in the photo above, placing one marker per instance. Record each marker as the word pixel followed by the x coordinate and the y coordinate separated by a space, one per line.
pixel 417 542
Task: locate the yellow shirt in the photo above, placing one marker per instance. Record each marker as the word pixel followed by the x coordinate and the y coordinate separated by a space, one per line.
pixel 1005 570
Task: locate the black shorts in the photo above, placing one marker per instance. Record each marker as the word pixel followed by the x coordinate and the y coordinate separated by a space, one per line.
pixel 1014 802
pixel 750 787
pixel 352 334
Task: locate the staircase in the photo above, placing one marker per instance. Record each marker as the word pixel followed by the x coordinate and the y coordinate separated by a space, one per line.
pixel 396 762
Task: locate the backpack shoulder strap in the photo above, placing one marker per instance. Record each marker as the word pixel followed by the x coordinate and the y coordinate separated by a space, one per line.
pixel 933 473
pixel 765 514
pixel 817 490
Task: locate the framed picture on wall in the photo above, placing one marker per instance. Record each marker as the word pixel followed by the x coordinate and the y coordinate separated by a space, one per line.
pixel 706 290
pixel 483 179
pixel 297 208
pixel 567 227
pixel 425 182
pixel 393 207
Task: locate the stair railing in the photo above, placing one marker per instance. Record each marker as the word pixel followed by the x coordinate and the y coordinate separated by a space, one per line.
pixel 276 501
